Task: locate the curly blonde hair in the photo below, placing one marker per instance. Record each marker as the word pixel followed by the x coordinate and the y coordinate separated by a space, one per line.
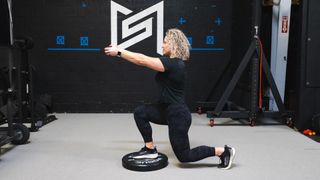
pixel 178 44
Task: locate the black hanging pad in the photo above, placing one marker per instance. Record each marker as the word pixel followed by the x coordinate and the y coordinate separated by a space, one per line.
pixel 144 164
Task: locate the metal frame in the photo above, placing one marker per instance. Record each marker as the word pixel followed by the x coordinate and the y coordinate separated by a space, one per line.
pixel 7 133
pixel 252 55
pixel 25 91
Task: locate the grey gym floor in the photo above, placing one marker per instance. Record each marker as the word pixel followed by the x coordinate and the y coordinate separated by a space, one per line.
pixel 90 146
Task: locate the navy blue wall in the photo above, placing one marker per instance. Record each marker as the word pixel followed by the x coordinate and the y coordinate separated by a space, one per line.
pixel 88 81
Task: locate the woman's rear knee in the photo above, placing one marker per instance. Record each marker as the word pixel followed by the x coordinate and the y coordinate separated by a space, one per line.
pixel 182 158
pixel 182 155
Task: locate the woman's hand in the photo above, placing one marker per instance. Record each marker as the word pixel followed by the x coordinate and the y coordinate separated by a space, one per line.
pixel 111 50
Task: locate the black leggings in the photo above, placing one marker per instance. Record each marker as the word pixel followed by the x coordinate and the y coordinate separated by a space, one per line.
pixel 178 119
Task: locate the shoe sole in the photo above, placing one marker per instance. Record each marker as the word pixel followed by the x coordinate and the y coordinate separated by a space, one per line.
pixel 149 156
pixel 233 153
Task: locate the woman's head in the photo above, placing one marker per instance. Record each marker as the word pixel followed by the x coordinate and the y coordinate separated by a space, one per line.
pixel 176 45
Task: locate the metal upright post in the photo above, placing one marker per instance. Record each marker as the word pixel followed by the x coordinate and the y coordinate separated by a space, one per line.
pixel 255 63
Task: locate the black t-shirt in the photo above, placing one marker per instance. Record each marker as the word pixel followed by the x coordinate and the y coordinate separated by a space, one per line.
pixel 172 81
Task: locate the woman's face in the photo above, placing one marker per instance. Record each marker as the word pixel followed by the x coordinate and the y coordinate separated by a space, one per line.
pixel 165 48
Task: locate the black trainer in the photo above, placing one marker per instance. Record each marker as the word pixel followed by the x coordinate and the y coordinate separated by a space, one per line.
pixel 145 153
pixel 227 157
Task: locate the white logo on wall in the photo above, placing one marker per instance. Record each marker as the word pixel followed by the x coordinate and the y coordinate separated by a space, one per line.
pixel 128 30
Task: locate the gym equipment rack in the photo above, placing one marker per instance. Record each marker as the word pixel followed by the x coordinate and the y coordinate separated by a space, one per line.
pixel 259 63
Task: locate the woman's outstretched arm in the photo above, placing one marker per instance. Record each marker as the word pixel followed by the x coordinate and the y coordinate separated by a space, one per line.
pixel 139 59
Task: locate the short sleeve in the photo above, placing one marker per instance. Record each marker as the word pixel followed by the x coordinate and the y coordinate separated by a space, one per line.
pixel 167 63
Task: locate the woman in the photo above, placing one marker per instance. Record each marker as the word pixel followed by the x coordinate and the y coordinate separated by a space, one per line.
pixel 171 109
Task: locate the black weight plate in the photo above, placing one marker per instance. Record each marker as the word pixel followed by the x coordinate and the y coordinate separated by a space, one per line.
pixel 146 164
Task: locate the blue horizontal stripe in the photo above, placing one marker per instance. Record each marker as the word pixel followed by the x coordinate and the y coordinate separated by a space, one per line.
pixel 207 49
pixel 98 49
pixel 74 49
